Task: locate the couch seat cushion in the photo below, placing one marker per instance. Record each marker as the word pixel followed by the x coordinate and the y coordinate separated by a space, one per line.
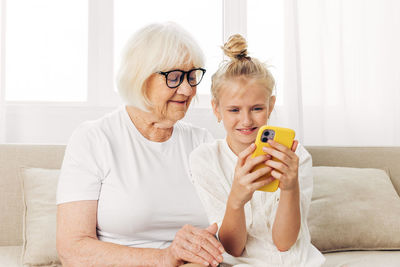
pixel 362 259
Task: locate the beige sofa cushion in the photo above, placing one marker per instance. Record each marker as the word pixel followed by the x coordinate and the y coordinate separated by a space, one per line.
pixel 12 157
pixel 10 256
pixel 354 209
pixel 39 225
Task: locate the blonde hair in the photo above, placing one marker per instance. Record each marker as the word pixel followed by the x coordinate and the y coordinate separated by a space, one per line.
pixel 240 65
pixel 156 47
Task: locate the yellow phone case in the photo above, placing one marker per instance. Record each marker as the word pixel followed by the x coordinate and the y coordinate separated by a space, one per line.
pixel 281 135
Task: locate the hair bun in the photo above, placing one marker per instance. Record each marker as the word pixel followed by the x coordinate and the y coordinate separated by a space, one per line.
pixel 236 47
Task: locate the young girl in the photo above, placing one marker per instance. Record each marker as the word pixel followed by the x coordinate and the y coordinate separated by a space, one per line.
pixel 257 228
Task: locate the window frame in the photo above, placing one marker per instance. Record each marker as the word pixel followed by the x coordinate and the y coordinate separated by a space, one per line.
pixel 2 70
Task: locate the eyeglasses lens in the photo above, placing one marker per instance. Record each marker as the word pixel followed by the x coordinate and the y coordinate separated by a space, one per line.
pixel 174 78
pixel 194 77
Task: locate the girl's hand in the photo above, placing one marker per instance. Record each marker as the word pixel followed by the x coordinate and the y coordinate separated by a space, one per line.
pixel 286 171
pixel 245 182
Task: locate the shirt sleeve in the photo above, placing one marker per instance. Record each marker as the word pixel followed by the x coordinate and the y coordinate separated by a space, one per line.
pixel 207 183
pixel 81 172
pixel 306 188
pixel 305 180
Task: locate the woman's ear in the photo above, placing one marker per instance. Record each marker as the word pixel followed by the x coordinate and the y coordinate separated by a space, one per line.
pixel 271 104
pixel 215 108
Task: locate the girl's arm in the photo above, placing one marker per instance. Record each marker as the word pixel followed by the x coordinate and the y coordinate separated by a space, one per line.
pixel 233 233
pixel 287 219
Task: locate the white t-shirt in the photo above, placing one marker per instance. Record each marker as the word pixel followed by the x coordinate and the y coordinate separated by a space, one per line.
pixel 143 188
pixel 212 166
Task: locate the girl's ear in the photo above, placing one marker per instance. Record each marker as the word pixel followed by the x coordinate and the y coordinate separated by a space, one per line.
pixel 216 110
pixel 271 106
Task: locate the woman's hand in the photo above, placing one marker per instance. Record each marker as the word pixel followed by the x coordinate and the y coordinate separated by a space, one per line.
pixel 245 182
pixel 287 170
pixel 195 245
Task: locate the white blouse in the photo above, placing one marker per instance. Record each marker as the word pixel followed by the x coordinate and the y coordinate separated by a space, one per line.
pixel 212 168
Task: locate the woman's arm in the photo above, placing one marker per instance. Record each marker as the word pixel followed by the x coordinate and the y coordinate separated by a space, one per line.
pixel 287 219
pixel 77 243
pixel 233 232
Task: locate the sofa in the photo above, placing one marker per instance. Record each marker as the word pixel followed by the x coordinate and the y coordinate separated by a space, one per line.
pixel 354 217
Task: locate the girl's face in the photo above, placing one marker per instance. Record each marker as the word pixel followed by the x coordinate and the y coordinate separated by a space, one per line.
pixel 244 106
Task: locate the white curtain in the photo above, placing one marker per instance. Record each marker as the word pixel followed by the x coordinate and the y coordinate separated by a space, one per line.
pixel 342 72
pixel 2 121
pixel 2 95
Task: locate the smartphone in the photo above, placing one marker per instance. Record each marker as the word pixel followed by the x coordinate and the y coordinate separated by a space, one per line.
pixel 281 135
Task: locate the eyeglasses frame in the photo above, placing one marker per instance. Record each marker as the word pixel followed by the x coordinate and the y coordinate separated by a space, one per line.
pixel 184 73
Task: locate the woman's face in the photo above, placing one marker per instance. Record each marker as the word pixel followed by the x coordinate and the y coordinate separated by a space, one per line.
pixel 244 106
pixel 169 103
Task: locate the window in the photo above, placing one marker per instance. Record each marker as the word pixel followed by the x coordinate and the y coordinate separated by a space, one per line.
pixel 68 50
pixel 46 50
pixel 59 58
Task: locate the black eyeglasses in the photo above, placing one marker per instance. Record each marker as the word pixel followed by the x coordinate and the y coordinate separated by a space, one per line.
pixel 174 78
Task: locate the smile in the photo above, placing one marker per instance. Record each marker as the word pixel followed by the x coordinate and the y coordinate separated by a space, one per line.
pixel 178 102
pixel 247 131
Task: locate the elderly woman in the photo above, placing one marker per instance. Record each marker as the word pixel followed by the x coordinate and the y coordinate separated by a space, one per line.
pixel 124 195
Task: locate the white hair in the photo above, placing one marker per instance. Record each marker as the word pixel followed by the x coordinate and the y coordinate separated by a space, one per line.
pixel 156 47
